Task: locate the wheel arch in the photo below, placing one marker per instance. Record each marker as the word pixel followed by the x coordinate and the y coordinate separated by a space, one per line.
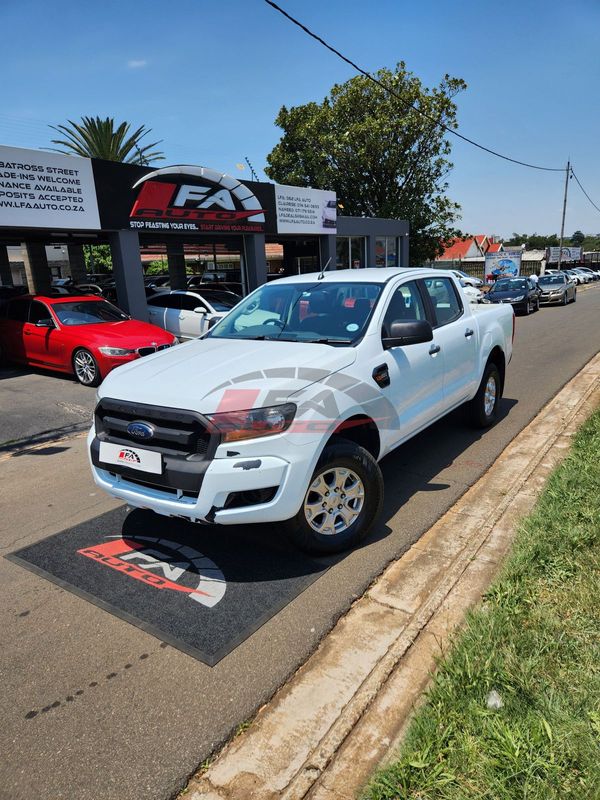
pixel 360 429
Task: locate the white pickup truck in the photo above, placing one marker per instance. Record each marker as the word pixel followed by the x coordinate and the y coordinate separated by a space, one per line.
pixel 282 411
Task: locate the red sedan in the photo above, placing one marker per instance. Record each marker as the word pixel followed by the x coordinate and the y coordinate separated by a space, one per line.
pixel 84 335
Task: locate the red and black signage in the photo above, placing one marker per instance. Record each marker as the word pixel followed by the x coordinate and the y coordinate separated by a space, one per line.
pixel 181 199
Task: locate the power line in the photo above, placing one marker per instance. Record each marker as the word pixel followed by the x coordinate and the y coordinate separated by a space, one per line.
pixel 584 191
pixel 368 75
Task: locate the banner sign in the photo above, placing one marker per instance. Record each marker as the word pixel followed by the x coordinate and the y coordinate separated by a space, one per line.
pixel 46 190
pixel 506 263
pixel 568 254
pixel 305 210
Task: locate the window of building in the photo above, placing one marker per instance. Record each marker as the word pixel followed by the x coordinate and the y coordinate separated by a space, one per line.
pixel 351 252
pixel 386 251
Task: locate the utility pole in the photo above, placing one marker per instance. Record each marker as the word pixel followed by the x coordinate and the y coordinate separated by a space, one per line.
pixel 562 226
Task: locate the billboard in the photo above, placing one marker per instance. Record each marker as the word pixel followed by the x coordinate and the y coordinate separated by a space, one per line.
pixel 506 263
pixel 46 190
pixel 305 210
pixel 568 254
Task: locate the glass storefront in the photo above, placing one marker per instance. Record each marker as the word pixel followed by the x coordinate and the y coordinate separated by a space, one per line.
pixel 386 251
pixel 351 252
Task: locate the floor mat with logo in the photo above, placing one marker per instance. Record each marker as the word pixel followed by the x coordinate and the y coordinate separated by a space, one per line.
pixel 202 589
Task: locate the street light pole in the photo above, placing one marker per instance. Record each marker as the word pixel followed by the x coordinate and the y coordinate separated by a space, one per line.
pixel 562 226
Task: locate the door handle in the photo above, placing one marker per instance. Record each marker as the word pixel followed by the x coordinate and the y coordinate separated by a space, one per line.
pixel 468 333
pixel 435 348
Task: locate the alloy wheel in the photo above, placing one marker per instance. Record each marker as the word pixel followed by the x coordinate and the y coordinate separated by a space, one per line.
pixel 334 501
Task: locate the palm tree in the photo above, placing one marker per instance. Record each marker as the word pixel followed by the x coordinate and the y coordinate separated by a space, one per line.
pixel 97 138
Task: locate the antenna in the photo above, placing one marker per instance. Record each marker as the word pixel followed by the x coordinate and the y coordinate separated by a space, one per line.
pixel 322 274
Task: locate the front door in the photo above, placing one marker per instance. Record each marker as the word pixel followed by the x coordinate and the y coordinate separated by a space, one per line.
pixel 43 341
pixel 416 371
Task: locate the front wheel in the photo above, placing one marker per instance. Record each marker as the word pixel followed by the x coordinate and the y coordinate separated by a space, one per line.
pixel 342 502
pixel 483 408
pixel 85 368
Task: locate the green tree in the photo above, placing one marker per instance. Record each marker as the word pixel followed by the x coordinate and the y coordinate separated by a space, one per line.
pixel 534 241
pixel 381 156
pixel 578 238
pixel 94 137
pixel 97 258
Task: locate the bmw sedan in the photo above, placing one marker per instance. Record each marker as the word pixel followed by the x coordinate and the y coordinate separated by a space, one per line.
pixel 84 335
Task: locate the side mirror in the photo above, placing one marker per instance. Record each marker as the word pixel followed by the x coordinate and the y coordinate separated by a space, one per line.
pixel 199 310
pixel 405 332
pixel 45 323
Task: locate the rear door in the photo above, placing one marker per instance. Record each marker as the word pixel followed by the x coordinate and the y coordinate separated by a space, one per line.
pixel 456 333
pixel 164 311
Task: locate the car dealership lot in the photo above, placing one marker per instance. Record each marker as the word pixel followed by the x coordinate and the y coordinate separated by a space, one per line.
pixel 117 714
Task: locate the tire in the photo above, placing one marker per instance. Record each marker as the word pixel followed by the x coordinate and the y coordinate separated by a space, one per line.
pixel 537 304
pixel 574 300
pixel 85 368
pixel 346 461
pixel 482 414
pixel 527 310
pixel 565 300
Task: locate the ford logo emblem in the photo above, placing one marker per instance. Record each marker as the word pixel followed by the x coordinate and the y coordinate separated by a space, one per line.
pixel 140 430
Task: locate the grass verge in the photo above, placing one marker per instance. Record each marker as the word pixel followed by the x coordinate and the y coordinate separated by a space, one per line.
pixel 535 641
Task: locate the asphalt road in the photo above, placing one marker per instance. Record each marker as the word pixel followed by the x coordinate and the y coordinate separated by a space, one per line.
pixel 138 731
pixel 39 405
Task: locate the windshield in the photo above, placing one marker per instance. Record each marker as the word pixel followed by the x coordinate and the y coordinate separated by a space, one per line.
pixel 509 285
pixel 221 301
pixel 87 312
pixel 547 280
pixel 331 313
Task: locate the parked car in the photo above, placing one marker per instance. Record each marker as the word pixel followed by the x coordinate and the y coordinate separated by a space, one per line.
pixel 474 295
pixel 8 292
pixel 588 271
pixel 469 280
pixel 109 292
pixel 157 280
pixel 557 288
pixel 189 314
pixel 83 334
pixel 521 293
pixel 585 278
pixel 88 288
pixel 283 409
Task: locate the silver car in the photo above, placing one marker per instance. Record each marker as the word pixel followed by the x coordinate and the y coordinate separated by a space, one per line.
pixel 557 288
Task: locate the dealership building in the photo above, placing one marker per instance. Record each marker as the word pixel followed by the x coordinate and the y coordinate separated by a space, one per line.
pixel 52 206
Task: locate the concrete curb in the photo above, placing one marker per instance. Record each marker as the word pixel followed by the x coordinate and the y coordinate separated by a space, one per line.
pixel 347 707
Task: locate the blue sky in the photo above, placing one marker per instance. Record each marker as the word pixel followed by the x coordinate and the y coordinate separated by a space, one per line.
pixel 210 77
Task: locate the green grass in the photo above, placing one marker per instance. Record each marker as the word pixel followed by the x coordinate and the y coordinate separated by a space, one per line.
pixel 536 641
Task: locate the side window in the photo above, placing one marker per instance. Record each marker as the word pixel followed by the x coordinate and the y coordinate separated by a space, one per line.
pixel 445 300
pixel 166 301
pixel 405 304
pixel 38 312
pixel 189 303
pixel 18 310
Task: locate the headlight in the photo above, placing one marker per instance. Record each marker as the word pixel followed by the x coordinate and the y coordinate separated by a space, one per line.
pixel 518 299
pixel 485 300
pixel 254 422
pixel 175 341
pixel 115 351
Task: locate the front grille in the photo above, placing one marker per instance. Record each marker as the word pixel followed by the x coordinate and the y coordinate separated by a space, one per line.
pixel 146 484
pixel 147 351
pixel 175 431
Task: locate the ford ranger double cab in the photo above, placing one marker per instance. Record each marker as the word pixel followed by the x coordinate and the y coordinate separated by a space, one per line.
pixel 281 412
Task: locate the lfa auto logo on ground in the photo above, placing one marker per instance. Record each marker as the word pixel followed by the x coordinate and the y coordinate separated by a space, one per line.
pixel 162 564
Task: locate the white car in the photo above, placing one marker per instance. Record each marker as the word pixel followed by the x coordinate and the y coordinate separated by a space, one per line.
pixel 188 314
pixel 329 215
pixel 282 411
pixel 473 295
pixel 468 280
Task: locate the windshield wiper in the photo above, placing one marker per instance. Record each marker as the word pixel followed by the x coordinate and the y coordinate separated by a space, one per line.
pixel 325 341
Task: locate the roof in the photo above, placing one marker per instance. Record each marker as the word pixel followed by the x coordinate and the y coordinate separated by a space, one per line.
pixel 457 248
pixel 494 247
pixel 59 298
pixel 363 275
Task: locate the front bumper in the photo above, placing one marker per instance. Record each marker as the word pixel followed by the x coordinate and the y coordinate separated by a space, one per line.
pixel 224 484
pixel 549 299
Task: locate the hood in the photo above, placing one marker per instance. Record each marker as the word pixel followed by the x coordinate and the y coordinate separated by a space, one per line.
pixel 128 333
pixel 196 375
pixel 508 295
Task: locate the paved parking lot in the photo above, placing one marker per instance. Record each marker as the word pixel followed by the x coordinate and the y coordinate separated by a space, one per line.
pixel 120 715
pixel 39 405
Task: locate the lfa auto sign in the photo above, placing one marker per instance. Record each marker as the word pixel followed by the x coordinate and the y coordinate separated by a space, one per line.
pixel 195 199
